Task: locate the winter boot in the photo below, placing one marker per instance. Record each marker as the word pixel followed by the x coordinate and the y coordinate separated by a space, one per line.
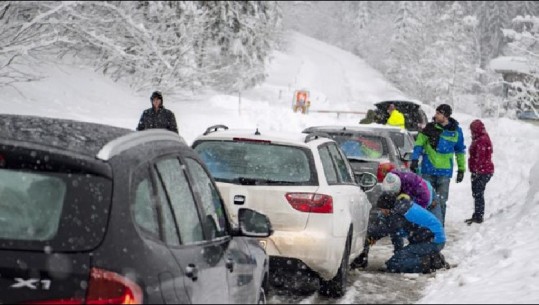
pixel 438 262
pixel 426 264
pixel 472 220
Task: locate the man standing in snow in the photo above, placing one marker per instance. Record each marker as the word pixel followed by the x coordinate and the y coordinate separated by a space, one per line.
pixel 436 144
pixel 157 116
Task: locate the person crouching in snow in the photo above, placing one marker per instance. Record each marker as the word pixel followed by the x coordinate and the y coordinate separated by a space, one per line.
pixel 481 167
pixel 425 234
pixel 416 189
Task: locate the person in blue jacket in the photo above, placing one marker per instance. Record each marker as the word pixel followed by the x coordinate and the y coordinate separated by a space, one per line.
pixel 438 144
pixel 425 234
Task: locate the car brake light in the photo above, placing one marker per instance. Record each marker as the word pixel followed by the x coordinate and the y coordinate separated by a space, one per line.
pixel 250 140
pixel 383 169
pixel 107 287
pixel 60 301
pixel 311 202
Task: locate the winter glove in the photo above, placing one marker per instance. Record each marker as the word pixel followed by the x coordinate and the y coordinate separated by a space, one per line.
pixel 414 165
pixel 371 241
pixel 404 196
pixel 460 176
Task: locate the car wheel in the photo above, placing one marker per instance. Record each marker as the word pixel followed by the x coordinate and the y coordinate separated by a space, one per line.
pixel 336 287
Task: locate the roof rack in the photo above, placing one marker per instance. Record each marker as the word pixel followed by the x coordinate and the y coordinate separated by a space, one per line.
pixel 130 140
pixel 214 128
pixel 316 135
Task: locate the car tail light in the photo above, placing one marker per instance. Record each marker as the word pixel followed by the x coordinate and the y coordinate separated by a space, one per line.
pixel 383 169
pixel 311 202
pixel 105 287
pixel 60 301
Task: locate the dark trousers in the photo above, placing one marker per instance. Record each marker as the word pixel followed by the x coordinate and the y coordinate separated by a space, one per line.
pixel 479 183
pixel 441 186
pixel 410 258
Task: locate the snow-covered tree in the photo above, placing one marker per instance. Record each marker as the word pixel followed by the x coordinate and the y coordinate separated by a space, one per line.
pixel 450 60
pixel 407 41
pixel 152 44
pixel 523 39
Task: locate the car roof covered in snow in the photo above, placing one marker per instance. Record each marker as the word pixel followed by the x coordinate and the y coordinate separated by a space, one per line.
pixel 361 127
pixel 66 135
pixel 279 137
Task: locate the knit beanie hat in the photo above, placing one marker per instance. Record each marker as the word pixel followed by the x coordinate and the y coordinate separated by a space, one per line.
pixel 386 200
pixel 445 110
pixel 391 183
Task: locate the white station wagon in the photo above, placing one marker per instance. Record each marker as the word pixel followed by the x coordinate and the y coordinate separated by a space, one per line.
pixel 305 185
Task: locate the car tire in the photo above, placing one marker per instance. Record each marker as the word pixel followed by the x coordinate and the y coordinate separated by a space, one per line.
pixel 336 287
pixel 262 296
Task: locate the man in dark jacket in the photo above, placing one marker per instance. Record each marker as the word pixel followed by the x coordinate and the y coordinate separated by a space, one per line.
pixel 157 116
pixel 425 233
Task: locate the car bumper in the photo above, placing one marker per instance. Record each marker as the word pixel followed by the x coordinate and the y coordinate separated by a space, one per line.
pixel 320 252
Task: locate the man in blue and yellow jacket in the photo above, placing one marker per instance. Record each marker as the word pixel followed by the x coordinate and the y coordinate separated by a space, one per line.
pixel 437 144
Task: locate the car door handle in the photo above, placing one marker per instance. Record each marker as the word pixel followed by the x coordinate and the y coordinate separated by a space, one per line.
pixel 230 264
pixel 239 199
pixel 192 272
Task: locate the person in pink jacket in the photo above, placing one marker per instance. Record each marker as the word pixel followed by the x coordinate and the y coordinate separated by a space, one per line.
pixel 481 167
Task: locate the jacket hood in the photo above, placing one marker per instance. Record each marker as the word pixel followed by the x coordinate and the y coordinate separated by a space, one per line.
pixel 478 129
pixel 452 125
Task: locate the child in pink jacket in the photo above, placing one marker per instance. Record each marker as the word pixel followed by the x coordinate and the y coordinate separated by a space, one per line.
pixel 481 167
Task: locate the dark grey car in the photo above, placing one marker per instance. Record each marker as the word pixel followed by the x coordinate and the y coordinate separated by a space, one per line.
pixel 94 213
pixel 370 150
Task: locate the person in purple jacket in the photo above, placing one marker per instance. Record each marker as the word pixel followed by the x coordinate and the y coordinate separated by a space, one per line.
pixel 418 189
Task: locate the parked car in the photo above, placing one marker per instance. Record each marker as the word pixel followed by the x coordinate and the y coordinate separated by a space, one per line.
pixel 103 215
pixel 370 148
pixel 402 138
pixel 305 185
pixel 414 114
pixel 528 115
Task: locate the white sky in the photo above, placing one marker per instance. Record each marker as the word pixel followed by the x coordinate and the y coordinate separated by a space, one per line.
pixel 497 260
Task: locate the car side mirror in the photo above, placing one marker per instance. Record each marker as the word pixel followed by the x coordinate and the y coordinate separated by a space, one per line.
pixel 406 156
pixel 253 223
pixel 367 181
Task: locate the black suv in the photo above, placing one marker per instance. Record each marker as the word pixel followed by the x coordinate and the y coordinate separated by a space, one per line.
pixel 96 214
pixel 415 117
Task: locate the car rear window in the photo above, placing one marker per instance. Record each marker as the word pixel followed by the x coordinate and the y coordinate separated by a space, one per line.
pixel 362 146
pixel 46 203
pixel 257 163
pixel 31 205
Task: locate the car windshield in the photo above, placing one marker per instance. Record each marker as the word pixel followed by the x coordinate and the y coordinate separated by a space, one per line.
pixel 255 163
pixel 362 146
pixel 402 141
